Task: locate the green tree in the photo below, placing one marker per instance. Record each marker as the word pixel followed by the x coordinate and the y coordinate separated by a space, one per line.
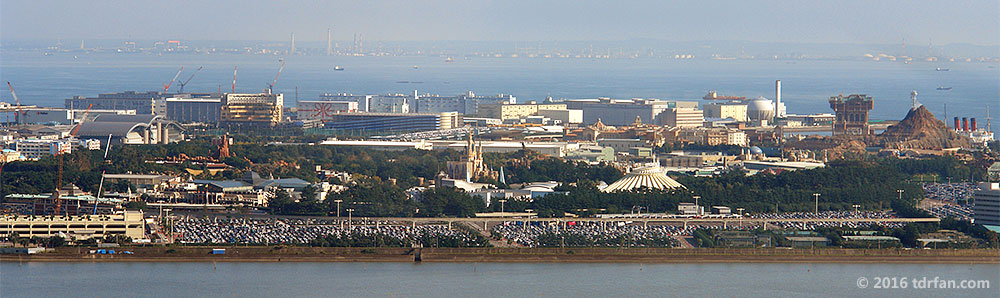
pixel 55 241
pixel 281 203
pixel 371 196
pixel 309 193
pixel 450 201
pixel 136 205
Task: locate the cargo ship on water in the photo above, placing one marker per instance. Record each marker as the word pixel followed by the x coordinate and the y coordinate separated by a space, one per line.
pixel 712 95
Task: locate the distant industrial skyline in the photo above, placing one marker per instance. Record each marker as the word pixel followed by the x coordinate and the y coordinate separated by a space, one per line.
pixel 851 22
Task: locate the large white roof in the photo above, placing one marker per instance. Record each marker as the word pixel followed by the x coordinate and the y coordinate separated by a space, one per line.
pixel 760 104
pixel 652 178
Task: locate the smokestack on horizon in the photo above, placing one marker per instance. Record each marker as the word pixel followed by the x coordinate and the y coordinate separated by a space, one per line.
pixel 777 99
pixel 965 124
pixel 957 126
pixel 972 124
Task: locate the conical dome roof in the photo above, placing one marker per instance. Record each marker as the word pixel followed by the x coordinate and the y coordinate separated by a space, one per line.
pixel 651 177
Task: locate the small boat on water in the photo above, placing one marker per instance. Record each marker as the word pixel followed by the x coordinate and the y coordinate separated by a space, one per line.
pixel 941 69
pixel 449 60
pixel 338 68
pixel 416 67
pixel 944 88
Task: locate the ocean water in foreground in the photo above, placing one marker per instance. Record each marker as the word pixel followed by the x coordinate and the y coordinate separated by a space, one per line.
pixel 224 279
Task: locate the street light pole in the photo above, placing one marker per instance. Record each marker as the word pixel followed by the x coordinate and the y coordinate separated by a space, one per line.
pixel 900 191
pixel 696 206
pixel 350 214
pixel 856 208
pixel 816 195
pixel 338 207
pixel 739 211
pixel 501 207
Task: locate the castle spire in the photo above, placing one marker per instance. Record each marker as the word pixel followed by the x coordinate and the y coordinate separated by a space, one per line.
pixel 470 147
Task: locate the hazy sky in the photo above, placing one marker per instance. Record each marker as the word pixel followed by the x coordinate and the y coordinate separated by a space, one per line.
pixel 841 21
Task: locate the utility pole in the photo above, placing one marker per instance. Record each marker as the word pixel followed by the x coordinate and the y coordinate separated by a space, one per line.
pixel 900 191
pixel 816 195
pixel 338 207
pixel 501 207
pixel 739 211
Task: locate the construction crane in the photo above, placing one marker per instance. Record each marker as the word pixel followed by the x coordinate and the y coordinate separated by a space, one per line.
pixel 59 178
pixel 184 83
pixel 234 79
pixel 100 187
pixel 17 114
pixel 271 86
pixel 167 85
pixel 77 128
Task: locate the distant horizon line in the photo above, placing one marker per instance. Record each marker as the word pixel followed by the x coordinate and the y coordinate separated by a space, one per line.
pixel 17 39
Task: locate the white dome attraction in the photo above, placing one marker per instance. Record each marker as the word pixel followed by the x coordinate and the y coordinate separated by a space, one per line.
pixel 651 177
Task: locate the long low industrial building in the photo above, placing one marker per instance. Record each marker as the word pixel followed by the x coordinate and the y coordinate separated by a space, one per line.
pixel 783 165
pixel 194 109
pixel 43 115
pixel 380 122
pixel 380 145
pixel 559 149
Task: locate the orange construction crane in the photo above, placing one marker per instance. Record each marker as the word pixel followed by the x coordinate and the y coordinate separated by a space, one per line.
pixel 17 114
pixel 85 114
pixel 234 79
pixel 167 85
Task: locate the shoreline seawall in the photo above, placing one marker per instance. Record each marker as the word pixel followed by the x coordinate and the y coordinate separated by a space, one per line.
pixel 514 255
